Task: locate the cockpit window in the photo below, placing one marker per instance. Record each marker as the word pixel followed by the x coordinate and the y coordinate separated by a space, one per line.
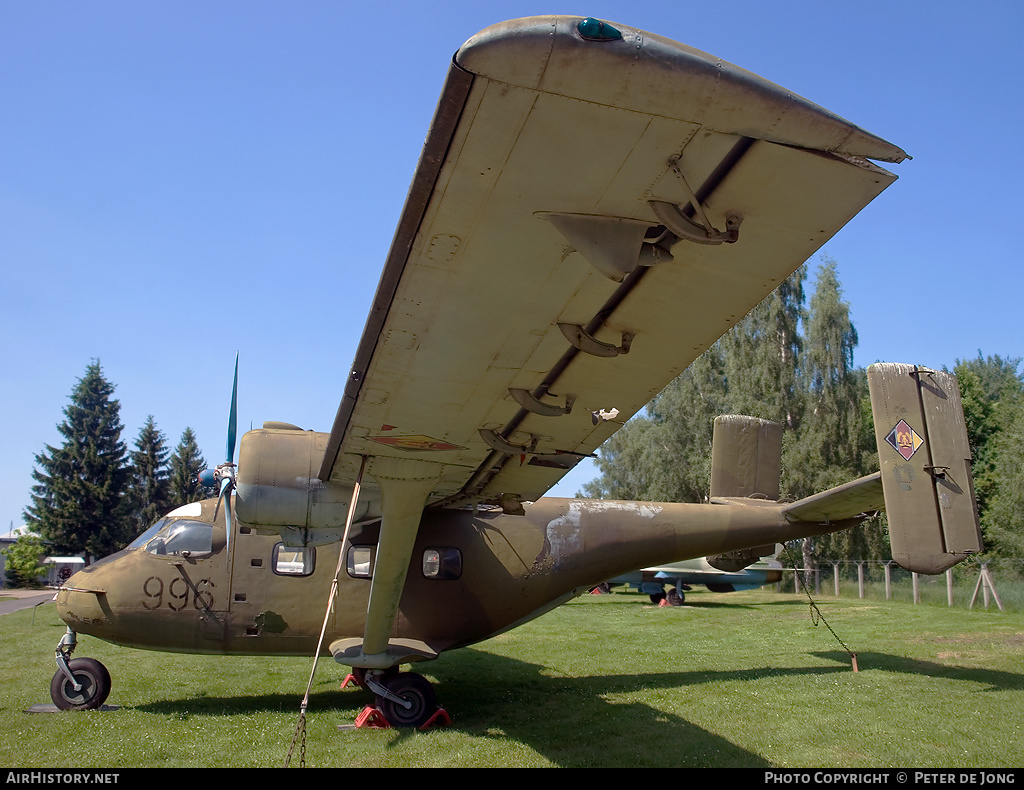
pixel 176 536
pixel 146 536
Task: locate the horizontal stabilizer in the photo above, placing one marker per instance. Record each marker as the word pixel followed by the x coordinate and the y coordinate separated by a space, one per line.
pixel 925 463
pixel 837 504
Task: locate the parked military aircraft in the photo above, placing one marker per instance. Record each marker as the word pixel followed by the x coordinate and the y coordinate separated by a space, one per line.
pixel 594 206
pixel 669 583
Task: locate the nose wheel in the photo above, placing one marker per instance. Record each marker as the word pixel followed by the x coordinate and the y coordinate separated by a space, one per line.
pixel 78 683
pixel 84 686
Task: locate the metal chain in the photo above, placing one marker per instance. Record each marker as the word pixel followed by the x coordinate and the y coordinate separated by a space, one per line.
pixel 300 734
pixel 815 611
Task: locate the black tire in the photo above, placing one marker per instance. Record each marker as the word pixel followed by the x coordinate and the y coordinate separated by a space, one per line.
pixel 94 680
pixel 412 688
pixel 675 598
pixel 657 598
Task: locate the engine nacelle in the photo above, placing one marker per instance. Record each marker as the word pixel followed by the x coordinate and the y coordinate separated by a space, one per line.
pixel 278 487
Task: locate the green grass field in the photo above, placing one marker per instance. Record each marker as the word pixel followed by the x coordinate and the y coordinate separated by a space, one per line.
pixel 745 679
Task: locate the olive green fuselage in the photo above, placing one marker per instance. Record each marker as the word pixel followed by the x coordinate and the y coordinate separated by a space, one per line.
pixel 507 569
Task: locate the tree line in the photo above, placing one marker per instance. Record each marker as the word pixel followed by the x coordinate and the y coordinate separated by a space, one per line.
pixel 92 494
pixel 790 360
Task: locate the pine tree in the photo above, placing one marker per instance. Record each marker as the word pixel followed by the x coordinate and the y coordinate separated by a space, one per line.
pixel 186 465
pixel 150 487
pixel 78 501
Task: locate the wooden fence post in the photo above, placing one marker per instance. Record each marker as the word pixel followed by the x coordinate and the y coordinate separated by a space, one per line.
pixel 985 583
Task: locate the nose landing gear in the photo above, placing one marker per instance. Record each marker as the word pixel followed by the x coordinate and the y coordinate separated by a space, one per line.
pixel 79 683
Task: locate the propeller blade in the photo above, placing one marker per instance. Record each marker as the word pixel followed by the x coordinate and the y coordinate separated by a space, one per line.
pixel 225 494
pixel 233 417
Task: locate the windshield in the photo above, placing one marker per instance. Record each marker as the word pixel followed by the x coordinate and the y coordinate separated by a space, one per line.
pixel 174 536
pixel 145 537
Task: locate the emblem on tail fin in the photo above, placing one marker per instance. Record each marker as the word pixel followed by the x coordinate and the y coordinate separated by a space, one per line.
pixel 904 440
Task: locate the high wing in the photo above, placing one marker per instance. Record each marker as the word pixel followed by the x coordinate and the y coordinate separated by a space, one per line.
pixel 553 162
pixel 594 207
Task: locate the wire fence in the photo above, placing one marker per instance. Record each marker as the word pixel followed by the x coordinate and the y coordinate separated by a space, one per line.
pixel 978 584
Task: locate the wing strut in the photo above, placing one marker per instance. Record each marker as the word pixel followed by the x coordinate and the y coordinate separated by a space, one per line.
pixel 405 486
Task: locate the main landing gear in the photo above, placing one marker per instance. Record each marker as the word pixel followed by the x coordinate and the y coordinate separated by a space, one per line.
pixel 79 683
pixel 403 699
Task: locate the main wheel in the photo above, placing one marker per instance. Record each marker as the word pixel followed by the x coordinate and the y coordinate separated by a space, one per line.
pixel 414 689
pixel 93 678
pixel 675 598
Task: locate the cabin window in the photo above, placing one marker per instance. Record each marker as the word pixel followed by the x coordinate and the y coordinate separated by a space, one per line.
pixel 442 563
pixel 182 537
pixel 360 562
pixel 290 561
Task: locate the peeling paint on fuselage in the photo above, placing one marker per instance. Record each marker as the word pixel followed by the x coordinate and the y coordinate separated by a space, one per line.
pixel 564 535
pixel 271 623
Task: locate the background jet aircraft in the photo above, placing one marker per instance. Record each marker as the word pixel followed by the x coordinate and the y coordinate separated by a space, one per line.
pixel 671 582
pixel 594 206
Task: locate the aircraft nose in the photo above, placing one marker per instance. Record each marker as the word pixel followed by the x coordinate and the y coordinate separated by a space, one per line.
pixel 82 603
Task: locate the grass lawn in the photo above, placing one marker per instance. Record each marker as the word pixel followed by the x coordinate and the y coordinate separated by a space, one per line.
pixel 745 679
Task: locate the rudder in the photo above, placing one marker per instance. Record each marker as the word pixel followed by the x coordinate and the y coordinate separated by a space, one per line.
pixel 925 461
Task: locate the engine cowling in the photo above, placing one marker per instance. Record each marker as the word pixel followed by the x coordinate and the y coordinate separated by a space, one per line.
pixel 278 487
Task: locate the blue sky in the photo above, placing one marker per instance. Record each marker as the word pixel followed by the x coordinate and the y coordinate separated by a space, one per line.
pixel 183 180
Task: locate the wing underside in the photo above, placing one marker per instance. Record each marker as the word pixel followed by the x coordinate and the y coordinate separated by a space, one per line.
pixel 534 200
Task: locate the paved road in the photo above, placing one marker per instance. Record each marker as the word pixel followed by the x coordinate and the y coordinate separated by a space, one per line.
pixel 22 599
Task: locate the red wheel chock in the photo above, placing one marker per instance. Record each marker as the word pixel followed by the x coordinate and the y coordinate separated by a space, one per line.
pixel 372 719
pixel 439 719
pixel 350 678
